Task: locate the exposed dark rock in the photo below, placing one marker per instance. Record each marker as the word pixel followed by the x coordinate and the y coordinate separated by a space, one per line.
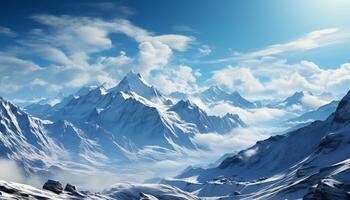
pixel 236 193
pixel 53 186
pixel 70 188
pixel 329 189
pixel 8 190
pixel 13 191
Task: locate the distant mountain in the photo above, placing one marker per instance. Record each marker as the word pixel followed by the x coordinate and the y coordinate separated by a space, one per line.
pixel 310 161
pixel 295 99
pixel 43 108
pixel 321 113
pixel 300 102
pixel 131 121
pixel 216 94
pixel 191 113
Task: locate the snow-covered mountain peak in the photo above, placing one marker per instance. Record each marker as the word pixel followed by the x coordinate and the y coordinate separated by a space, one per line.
pixel 135 78
pixel 134 82
pixel 214 90
pixel 297 97
pixel 131 81
pixel 216 94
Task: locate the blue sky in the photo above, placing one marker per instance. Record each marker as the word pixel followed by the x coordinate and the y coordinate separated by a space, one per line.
pixel 263 49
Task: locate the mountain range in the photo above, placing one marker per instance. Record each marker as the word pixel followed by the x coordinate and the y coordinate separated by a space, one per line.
pixel 215 95
pixel 97 126
pixel 310 163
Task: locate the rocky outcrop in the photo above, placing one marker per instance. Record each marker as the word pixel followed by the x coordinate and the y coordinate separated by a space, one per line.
pixel 329 189
pixel 53 186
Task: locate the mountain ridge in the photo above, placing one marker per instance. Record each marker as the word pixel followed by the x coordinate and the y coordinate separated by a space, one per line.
pixel 282 166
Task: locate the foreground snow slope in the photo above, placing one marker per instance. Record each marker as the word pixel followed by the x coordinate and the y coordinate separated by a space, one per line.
pixel 9 191
pixel 283 166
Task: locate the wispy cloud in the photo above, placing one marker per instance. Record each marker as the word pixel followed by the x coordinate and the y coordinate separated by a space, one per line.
pixel 204 50
pixel 312 40
pixel 69 45
pixel 7 32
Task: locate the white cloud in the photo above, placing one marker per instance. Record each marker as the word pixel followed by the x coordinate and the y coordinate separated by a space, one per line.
pixel 312 40
pixel 177 42
pixel 10 171
pixel 153 55
pixel 270 77
pixel 7 32
pixel 181 78
pixel 204 50
pixel 11 65
pixel 39 81
pixel 289 83
pixel 238 139
pixel 87 35
pixel 237 78
pixel 251 116
pixel 68 43
pixel 313 102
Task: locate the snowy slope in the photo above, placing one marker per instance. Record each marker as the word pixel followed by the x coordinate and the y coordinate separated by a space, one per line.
pixel 24 137
pixel 138 122
pixel 38 145
pixel 10 190
pixel 285 166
